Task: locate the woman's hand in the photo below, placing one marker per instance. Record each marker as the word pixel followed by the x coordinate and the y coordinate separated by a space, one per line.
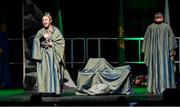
pixel 46 35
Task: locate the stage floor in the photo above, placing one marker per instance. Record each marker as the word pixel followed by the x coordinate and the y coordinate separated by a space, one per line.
pixel 69 98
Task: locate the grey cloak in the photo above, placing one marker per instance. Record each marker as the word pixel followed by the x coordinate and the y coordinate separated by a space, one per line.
pixel 51 69
pixel 159 42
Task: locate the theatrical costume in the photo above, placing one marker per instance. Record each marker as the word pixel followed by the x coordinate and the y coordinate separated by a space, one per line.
pixel 159 42
pixel 50 61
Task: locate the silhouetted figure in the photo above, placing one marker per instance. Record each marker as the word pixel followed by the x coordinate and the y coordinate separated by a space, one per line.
pixel 35 100
pixel 122 101
pixel 171 97
pixel 5 75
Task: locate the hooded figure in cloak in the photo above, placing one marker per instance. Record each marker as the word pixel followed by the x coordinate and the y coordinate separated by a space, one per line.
pixel 5 75
pixel 159 50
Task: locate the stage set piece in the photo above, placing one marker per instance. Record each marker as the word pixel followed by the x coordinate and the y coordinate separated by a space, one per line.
pixel 99 77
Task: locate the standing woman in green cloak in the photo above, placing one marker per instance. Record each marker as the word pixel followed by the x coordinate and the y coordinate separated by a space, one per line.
pixel 159 49
pixel 48 51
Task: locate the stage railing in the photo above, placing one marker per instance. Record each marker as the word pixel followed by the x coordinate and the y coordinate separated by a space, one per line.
pixel 99 40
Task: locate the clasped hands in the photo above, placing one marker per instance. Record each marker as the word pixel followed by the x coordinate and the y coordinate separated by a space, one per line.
pixel 47 41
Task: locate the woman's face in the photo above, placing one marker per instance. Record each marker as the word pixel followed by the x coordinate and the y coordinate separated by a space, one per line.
pixel 46 21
